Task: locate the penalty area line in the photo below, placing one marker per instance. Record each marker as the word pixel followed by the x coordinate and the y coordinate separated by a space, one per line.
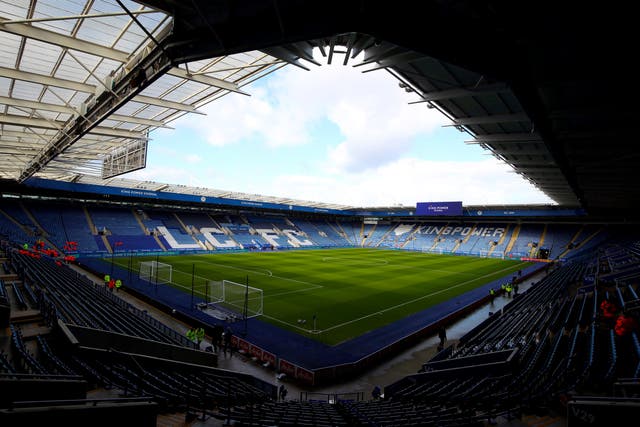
pixel 275 319
pixel 268 272
pixel 380 312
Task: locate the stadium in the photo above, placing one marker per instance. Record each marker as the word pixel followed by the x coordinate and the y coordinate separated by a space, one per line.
pixel 313 294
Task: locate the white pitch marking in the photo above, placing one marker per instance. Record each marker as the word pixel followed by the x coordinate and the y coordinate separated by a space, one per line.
pixel 410 301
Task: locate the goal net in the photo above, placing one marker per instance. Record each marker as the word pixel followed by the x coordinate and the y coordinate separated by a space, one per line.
pixel 429 250
pixel 491 254
pixel 237 298
pixel 156 272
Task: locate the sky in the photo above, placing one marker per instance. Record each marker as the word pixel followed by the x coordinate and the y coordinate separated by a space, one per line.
pixel 335 135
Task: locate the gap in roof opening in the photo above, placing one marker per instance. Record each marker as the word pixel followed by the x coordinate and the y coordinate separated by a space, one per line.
pixel 334 135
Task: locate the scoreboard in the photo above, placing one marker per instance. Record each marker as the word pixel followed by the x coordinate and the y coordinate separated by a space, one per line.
pixel 439 208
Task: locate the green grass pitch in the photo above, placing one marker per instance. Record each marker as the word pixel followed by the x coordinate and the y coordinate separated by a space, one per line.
pixel 351 291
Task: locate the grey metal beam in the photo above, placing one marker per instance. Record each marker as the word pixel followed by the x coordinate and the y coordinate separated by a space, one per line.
pixel 514 151
pixel 23 121
pixel 73 43
pixel 138 120
pixel 118 133
pixel 551 171
pixel 26 76
pixel 69 42
pixel 146 70
pixel 461 92
pixel 36 105
pixel 384 51
pixel 85 16
pixel 507 138
pixel 285 55
pixel 166 104
pixel 547 183
pixel 332 44
pixel 350 41
pixel 392 61
pixel 361 43
pixel 548 178
pixel 206 80
pixel 498 118
pixel 50 124
pixel 17 150
pixel 515 163
pixel 304 50
pixel 39 136
pixel 24 144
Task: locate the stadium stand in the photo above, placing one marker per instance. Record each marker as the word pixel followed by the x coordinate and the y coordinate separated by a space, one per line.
pixel 529 236
pixel 351 232
pixel 322 232
pixel 547 343
pixel 14 229
pixel 401 235
pixel 208 231
pixel 550 347
pixel 115 221
pixel 377 234
pixel 270 229
pixel 70 303
pixel 559 238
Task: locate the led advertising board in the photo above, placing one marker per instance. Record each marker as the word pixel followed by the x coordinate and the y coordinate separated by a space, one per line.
pixel 439 208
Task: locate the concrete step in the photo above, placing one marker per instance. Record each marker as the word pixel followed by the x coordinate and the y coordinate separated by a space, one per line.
pixel 173 420
pixel 543 421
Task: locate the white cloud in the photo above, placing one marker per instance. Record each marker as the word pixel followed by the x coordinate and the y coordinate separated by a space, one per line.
pixel 193 158
pixel 407 181
pixel 167 175
pixel 369 109
pixel 370 165
pixel 378 129
pixel 404 181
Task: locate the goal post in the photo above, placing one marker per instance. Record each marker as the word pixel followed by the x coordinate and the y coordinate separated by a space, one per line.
pixel 491 254
pixel 429 250
pixel 235 297
pixel 156 272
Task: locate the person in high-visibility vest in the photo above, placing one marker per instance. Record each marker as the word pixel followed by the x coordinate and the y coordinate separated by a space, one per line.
pixel 192 335
pixel 107 278
pixel 118 284
pixel 199 335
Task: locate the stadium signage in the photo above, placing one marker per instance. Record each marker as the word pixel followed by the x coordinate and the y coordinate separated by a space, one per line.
pixel 304 375
pixel 129 192
pixel 439 208
pixel 258 204
pixel 525 212
pixel 255 351
pixel 463 231
pixel 287 367
pixel 436 209
pixel 169 196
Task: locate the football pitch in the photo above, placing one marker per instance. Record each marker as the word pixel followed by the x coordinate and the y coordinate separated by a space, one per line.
pixel 335 295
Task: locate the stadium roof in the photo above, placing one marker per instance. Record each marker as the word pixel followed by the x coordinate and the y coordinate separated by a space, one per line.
pixel 536 83
pixel 59 57
pixel 206 192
